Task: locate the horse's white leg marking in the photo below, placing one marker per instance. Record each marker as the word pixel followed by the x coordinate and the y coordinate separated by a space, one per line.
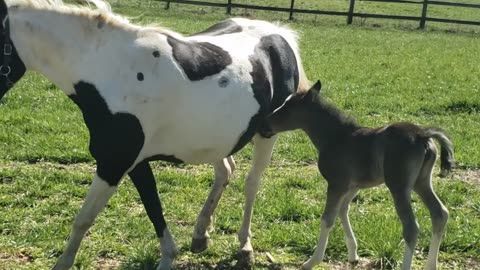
pixel 439 216
pixel 410 226
pixel 332 207
pixel 347 228
pixel 169 251
pixel 407 258
pixel 262 154
pixel 223 171
pixel 97 197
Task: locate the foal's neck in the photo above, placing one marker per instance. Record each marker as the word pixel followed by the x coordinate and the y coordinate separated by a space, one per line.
pixel 64 47
pixel 327 125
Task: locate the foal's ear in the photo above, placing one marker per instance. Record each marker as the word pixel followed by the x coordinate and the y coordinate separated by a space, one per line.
pixel 316 87
pixel 312 94
pixel 3 10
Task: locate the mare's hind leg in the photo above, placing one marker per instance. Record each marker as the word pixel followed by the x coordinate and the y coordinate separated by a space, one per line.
pixel 144 181
pixel 335 197
pixel 438 212
pixel 262 153
pixel 347 228
pixel 97 197
pixel 223 171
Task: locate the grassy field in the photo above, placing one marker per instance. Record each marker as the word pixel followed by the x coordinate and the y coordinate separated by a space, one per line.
pixel 378 75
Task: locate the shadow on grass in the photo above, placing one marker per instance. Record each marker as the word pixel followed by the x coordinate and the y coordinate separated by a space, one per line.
pixel 149 263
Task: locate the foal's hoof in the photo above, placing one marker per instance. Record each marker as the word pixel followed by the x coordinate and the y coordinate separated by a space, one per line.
pixel 245 260
pixel 199 245
pixel 353 263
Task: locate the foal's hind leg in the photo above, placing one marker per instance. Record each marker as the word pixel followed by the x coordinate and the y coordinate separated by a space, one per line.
pixel 143 179
pixel 97 197
pixel 403 206
pixel 223 171
pixel 438 212
pixel 347 228
pixel 262 153
pixel 335 196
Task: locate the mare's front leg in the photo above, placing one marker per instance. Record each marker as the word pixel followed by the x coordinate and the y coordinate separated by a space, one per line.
pixel 144 181
pixel 97 197
pixel 262 154
pixel 204 225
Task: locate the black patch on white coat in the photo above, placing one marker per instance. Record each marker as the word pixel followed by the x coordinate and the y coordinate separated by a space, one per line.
pixel 274 65
pixel 221 28
pixel 100 23
pixel 199 59
pixel 284 67
pixel 140 76
pixel 223 82
pixel 144 181
pixel 261 90
pixel 115 139
pixel 13 63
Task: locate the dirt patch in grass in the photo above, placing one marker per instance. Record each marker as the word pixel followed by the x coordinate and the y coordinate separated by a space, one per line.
pixel 21 257
pixel 363 263
pixel 106 263
pixel 471 176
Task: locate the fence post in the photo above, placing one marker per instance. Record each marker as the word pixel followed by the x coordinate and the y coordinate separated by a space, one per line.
pixel 292 3
pixel 424 14
pixel 350 12
pixel 167 5
pixel 229 7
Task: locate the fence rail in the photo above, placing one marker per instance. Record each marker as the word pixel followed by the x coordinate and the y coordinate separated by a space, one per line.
pixel 350 14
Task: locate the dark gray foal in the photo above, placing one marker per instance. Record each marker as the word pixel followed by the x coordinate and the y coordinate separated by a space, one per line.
pixel 401 155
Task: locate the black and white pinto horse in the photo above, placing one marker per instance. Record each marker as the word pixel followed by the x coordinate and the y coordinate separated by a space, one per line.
pixel 148 93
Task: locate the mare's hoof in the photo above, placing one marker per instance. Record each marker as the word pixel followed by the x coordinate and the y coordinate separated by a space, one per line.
pixel 245 260
pixel 199 245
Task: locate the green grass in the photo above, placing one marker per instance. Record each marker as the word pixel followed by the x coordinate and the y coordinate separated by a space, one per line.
pixel 378 75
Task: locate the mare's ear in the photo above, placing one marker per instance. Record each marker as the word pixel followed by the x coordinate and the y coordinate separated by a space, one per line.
pixel 312 94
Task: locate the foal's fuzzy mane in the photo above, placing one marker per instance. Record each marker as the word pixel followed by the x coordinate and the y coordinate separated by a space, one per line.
pixel 328 107
pixel 98 10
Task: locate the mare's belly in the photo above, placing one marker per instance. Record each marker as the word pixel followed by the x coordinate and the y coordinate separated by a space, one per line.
pixel 200 132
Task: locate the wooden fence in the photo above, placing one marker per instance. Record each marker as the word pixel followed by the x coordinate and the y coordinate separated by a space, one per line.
pixel 350 14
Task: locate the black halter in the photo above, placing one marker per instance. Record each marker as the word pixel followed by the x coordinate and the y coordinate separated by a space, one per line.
pixel 5 68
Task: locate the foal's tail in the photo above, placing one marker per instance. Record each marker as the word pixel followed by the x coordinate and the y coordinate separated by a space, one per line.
pixel 293 39
pixel 446 152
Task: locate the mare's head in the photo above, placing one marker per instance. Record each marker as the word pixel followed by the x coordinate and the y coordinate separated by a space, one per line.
pixel 292 114
pixel 12 67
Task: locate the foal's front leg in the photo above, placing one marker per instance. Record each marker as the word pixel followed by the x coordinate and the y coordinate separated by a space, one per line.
pixel 347 228
pixel 335 196
pixel 97 197
pixel 204 225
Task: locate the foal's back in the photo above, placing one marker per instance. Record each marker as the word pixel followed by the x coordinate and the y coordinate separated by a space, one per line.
pixel 367 155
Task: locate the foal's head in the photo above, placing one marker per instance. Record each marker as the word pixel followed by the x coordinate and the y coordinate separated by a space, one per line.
pixel 292 113
pixel 12 67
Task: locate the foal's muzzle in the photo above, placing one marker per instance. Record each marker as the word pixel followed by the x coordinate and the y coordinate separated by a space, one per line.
pixel 265 129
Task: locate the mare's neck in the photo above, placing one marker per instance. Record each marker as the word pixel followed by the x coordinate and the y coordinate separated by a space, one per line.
pixel 327 125
pixel 63 47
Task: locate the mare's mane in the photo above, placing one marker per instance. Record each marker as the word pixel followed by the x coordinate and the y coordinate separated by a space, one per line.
pixel 95 10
